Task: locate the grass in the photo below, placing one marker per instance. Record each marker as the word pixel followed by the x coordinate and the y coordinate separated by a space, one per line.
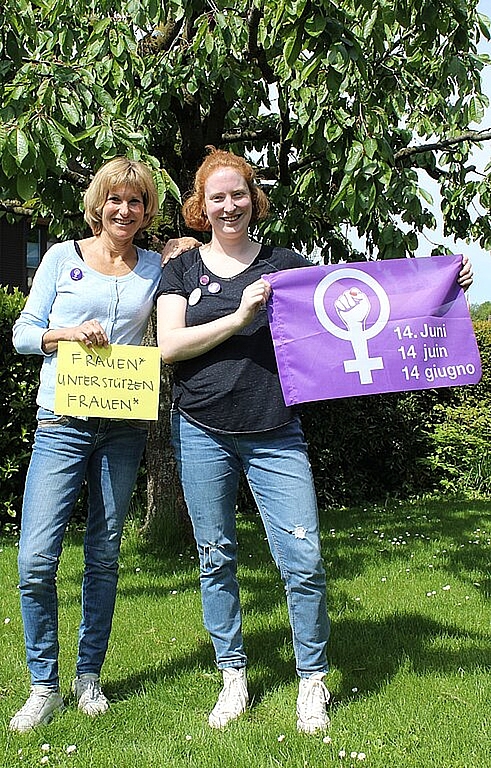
pixel 409 598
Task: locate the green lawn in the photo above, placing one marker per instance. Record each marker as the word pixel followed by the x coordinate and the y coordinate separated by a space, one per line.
pixel 409 597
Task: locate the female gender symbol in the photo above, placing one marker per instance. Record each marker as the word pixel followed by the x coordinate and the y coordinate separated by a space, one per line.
pixel 355 331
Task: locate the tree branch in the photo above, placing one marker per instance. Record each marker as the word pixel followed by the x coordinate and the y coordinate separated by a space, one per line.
pixel 76 178
pixel 474 136
pixel 406 152
pixel 15 207
pixel 160 39
pixel 213 124
pixel 257 52
pixel 285 143
pixel 238 136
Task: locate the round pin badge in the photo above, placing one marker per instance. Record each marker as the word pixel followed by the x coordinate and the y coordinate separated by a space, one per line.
pixel 76 274
pixel 194 297
pixel 214 288
pixel 204 280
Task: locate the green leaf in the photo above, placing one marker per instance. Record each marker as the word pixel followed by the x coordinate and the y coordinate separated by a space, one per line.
pixel 354 157
pixel 341 193
pixel 476 110
pixel 312 67
pixel 22 145
pixel 96 49
pixel 100 25
pixel 87 134
pixel 104 98
pixel 55 142
pixel 147 79
pixel 370 146
pixel 70 112
pixel 26 186
pixel 103 136
pixel 293 46
pixel 369 24
pixel 209 43
pixel 66 41
pixel 9 166
pixel 426 196
pixel 160 186
pixel 315 25
pixel 116 43
pixel 118 74
pixel 103 70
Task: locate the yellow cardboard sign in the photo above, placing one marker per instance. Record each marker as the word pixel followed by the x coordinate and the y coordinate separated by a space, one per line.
pixel 120 381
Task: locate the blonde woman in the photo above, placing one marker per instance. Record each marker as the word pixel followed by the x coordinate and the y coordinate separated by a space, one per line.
pixel 99 291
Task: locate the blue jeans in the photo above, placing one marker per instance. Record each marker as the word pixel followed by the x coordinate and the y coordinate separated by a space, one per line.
pixel 278 471
pixel 66 451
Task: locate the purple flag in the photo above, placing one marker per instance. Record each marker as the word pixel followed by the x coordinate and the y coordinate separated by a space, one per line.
pixel 364 328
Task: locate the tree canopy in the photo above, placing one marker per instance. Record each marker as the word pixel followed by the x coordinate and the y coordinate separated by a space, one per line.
pixel 481 311
pixel 346 107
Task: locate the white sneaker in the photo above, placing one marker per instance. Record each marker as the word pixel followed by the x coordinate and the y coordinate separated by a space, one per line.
pixel 89 695
pixel 313 698
pixel 39 709
pixel 233 698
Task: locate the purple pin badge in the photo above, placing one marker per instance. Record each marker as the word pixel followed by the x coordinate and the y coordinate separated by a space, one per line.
pixel 76 274
pixel 214 288
pixel 204 280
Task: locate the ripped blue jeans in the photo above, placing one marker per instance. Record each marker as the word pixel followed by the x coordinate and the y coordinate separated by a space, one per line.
pixel 278 471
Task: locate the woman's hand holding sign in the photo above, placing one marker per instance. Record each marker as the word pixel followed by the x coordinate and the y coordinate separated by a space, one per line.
pixel 90 332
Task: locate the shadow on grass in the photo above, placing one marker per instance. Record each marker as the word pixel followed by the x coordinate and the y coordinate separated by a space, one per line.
pixel 365 653
pixel 370 653
pixel 347 551
pixel 352 538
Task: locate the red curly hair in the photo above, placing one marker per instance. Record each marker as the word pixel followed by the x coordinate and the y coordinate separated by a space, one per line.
pixel 193 207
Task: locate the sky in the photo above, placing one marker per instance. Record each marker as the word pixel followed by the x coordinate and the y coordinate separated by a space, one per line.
pixel 480 290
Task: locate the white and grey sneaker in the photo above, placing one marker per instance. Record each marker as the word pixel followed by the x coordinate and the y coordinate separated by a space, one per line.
pixel 41 706
pixel 233 698
pixel 313 698
pixel 89 695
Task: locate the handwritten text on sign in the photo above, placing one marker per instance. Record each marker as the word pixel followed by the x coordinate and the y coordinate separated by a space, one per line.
pixel 366 328
pixel 116 382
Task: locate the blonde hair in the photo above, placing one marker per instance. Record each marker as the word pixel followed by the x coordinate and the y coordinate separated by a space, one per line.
pixel 193 208
pixel 119 172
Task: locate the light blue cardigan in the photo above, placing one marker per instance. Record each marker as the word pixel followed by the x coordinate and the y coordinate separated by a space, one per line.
pixel 66 292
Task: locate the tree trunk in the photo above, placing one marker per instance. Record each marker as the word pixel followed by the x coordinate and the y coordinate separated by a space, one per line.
pixel 166 522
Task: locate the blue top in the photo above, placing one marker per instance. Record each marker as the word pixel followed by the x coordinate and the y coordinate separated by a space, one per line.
pixel 66 292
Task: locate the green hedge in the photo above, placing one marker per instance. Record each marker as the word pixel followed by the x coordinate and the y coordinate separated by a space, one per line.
pixel 362 449
pixel 19 377
pixel 403 444
pixel 460 459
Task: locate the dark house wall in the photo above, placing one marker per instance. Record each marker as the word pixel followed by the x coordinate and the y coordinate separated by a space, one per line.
pixel 13 254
